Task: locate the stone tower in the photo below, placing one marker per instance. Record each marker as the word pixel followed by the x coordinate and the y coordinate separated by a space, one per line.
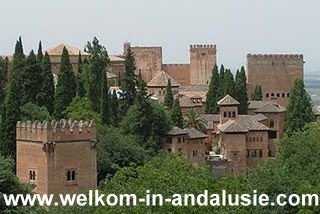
pixel 228 109
pixel 276 73
pixel 58 157
pixel 202 60
pixel 148 60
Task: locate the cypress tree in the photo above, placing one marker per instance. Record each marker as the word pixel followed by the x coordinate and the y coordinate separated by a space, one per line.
pixel 66 87
pixel 98 61
pixel 40 53
pixel 6 70
pixel 12 115
pixel 128 81
pixel 115 108
pixel 221 80
pixel 141 92
pixel 2 80
pixel 31 80
pixel 105 104
pixel 176 114
pixel 213 92
pixel 81 91
pixel 228 83
pixel 299 111
pixel 241 90
pixel 257 94
pixel 18 66
pixel 46 93
pixel 168 99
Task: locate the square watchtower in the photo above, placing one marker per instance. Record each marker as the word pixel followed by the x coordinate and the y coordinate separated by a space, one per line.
pixel 58 157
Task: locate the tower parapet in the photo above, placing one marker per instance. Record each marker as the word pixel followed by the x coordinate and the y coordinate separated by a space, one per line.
pixel 275 58
pixel 56 131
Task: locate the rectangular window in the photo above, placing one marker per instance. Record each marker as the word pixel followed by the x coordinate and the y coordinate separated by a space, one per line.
pixel 272 134
pixel 71 176
pixel 179 139
pixel 32 175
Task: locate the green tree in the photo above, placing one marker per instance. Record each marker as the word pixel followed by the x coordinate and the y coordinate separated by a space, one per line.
pixel 299 110
pixel 228 84
pixel 194 120
pixel 45 95
pixel 2 80
pixel 12 115
pixel 66 87
pixel 40 53
pixel 97 62
pixel 31 79
pixel 81 91
pixel 168 99
pixel 9 184
pixel 141 91
pixel 163 174
pixel 33 112
pixel 294 170
pixel 241 93
pixel 115 151
pixel 81 109
pixel 176 114
pixel 213 92
pixel 221 80
pixel 18 66
pixel 115 108
pixel 128 82
pixel 257 94
pixel 105 101
pixel 148 122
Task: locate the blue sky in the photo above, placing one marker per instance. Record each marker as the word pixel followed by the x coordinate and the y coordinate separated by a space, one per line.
pixel 237 27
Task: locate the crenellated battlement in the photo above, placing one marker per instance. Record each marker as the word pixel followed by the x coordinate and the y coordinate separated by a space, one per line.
pixel 297 57
pixel 63 131
pixel 203 46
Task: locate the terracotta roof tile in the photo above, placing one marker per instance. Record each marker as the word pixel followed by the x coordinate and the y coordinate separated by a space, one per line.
pixel 228 100
pixel 177 131
pixel 161 80
pixel 271 108
pixel 232 126
pixel 194 133
pixel 185 102
pixel 57 51
pixel 254 104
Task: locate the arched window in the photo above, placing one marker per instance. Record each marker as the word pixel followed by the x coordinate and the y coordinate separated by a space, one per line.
pixel 267 94
pixel 272 94
pixel 283 95
pixel 278 95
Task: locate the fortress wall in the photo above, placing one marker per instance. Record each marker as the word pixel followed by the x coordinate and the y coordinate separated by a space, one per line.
pixel 179 72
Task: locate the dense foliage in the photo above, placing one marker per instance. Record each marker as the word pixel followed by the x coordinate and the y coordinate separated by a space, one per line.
pixel 299 110
pixel 223 83
pixel 66 87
